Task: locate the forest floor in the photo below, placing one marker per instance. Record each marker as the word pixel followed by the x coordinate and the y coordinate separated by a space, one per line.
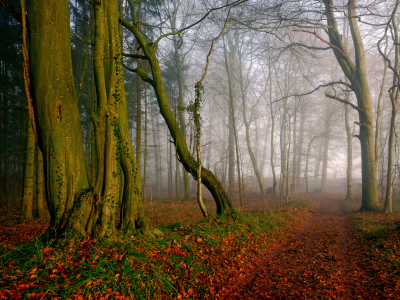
pixel 319 247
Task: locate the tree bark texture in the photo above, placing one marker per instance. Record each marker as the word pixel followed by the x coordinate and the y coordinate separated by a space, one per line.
pixel 357 74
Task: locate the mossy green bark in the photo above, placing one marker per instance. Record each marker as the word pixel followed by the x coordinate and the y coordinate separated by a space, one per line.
pixel 27 196
pixel 57 111
pixel 76 208
pixel 223 202
pixel 42 211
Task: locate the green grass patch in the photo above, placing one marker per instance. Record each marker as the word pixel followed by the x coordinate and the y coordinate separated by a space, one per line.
pixel 192 260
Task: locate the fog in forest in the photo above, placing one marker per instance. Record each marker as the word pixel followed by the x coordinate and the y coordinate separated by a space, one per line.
pixel 278 108
pixel 199 149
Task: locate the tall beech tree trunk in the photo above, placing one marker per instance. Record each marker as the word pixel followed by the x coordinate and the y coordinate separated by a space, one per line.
pixel 139 104
pixel 156 143
pixel 300 153
pixel 247 126
pixel 76 208
pixel 357 74
pixel 229 63
pixel 349 172
pixel 223 202
pixel 144 189
pixel 318 161
pixel 294 151
pixel 307 159
pixel 327 138
pixel 40 188
pixel 27 195
pixel 394 100
pixel 272 159
pixel 181 111
pixel 349 194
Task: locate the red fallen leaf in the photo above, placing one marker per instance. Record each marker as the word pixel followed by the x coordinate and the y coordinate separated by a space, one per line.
pixel 47 250
pixel 33 277
pixel 33 271
pixel 23 286
pixel 38 295
pixel 10 264
pixel 53 276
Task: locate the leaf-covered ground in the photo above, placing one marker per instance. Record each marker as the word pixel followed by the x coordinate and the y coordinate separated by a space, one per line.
pixel 316 249
pixel 329 259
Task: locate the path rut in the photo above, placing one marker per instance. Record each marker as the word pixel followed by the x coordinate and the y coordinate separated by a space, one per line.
pixel 322 261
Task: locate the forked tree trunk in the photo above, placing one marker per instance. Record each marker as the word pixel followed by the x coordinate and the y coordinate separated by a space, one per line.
pixel 75 208
pixel 357 74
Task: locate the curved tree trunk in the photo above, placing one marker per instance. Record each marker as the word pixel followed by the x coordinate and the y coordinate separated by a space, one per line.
pixel 223 202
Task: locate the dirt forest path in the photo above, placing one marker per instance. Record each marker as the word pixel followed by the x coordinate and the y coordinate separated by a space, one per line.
pixel 322 261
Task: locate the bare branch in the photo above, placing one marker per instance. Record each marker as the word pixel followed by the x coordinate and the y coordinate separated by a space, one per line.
pixel 342 100
pixel 142 73
pixel 322 39
pixel 212 45
pixel 314 90
pixel 234 3
pixel 81 39
pixel 135 56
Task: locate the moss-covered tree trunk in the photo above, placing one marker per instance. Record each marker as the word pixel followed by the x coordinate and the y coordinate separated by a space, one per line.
pixel 223 202
pixel 114 143
pixel 57 113
pixel 40 188
pixel 75 207
pixel 27 194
